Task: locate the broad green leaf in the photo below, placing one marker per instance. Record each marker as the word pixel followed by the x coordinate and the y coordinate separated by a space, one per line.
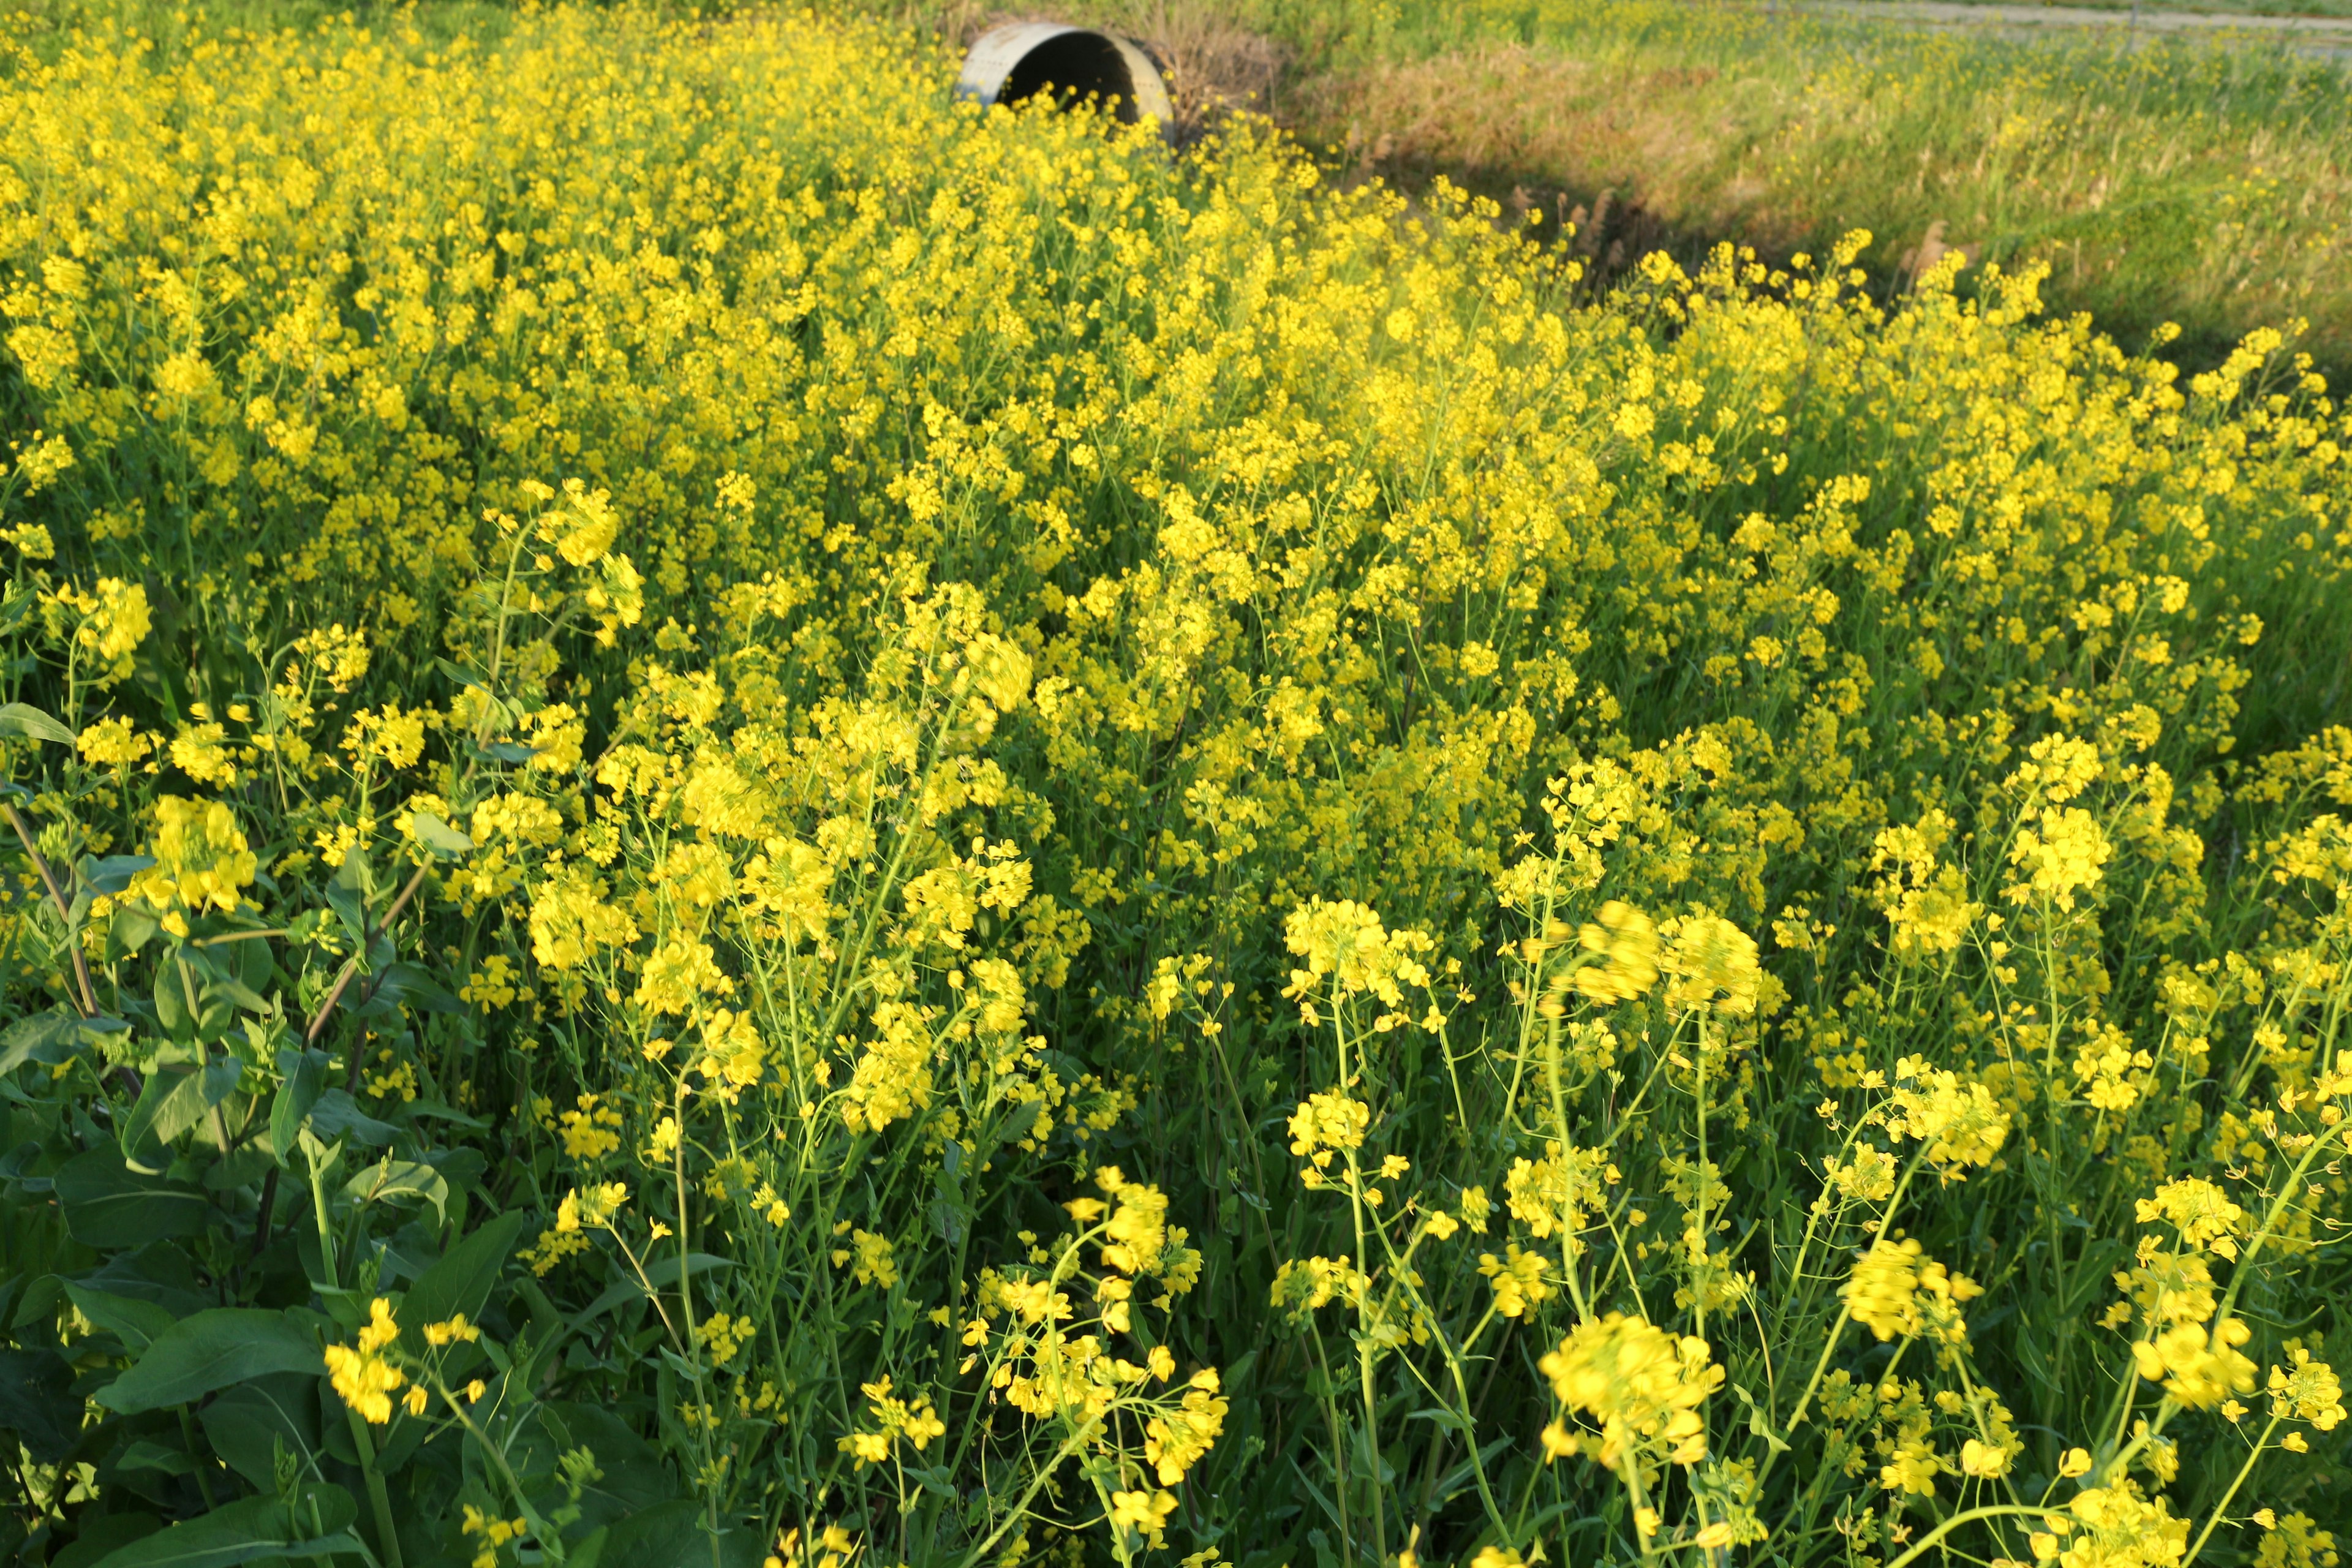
pixel 35 1408
pixel 347 895
pixel 252 962
pixel 113 874
pixel 410 985
pixel 109 1206
pixel 306 1076
pixel 171 1102
pixel 247 1424
pixel 256 1529
pixel 662 1272
pixel 671 1535
pixel 461 1281
pixel 232 987
pixel 337 1115
pixel 172 1009
pixel 134 928
pixel 213 1349
pixel 137 1323
pixel 103 1534
pixel 439 837
pixel 23 719
pixel 47 1037
pixel 394 1181
pixel 222 1075
pixel 145 1454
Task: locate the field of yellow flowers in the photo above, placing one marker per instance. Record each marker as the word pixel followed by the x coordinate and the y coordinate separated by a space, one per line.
pixel 754 821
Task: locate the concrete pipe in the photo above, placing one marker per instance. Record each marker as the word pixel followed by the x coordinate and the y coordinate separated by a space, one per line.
pixel 1069 65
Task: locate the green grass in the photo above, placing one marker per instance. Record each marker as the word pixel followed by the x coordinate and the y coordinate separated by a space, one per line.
pixel 2192 181
pixel 2193 7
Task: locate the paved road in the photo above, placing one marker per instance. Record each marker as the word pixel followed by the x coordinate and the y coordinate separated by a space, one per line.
pixel 2327 36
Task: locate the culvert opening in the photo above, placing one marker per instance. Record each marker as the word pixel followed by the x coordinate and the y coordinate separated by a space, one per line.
pixel 1066 67
pixel 1070 69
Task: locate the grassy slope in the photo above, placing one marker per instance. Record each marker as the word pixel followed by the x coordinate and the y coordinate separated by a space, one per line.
pixel 2203 7
pixel 2190 183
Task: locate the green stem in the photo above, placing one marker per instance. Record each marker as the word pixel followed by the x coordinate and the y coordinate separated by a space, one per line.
pixel 1991 1511
pixel 2223 1507
pixel 379 1499
pixel 387 1539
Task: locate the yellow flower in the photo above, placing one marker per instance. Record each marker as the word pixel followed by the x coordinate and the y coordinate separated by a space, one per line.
pixel 1627 946
pixel 913 1421
pixel 1643 1385
pixel 114 743
pixel 2060 856
pixel 1326 1123
pixel 1896 1291
pixel 2200 1212
pixel 113 620
pixel 1519 1280
pixel 590 1207
pixel 361 1376
pixel 1144 1511
pixel 1714 967
pixel 202 862
pixel 2308 1393
pixel 584 529
pixel 680 974
pixel 456 1331
pixel 2199 1369
pixel 1961 1124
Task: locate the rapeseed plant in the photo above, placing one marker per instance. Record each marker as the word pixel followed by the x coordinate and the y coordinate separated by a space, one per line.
pixel 799 819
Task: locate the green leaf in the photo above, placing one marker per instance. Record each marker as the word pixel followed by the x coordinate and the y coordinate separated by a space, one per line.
pixel 172 1010
pixel 35 1408
pixel 337 1115
pixel 134 928
pixel 409 985
pixel 392 1181
pixel 253 966
pixel 103 1534
pixel 254 1530
pixel 171 1102
pixel 222 1075
pixel 145 1454
pixel 108 1206
pixel 306 1076
pixel 671 1535
pixel 247 1424
pixel 213 1349
pixel 23 719
pixel 461 1281
pixel 347 895
pixel 662 1273
pixel 113 874
pixel 439 837
pixel 137 1323
pixel 46 1037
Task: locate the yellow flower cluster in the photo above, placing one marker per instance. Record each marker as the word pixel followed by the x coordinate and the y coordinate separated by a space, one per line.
pixel 1896 1291
pixel 202 860
pixel 1641 1385
pixel 894 1419
pixel 362 1377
